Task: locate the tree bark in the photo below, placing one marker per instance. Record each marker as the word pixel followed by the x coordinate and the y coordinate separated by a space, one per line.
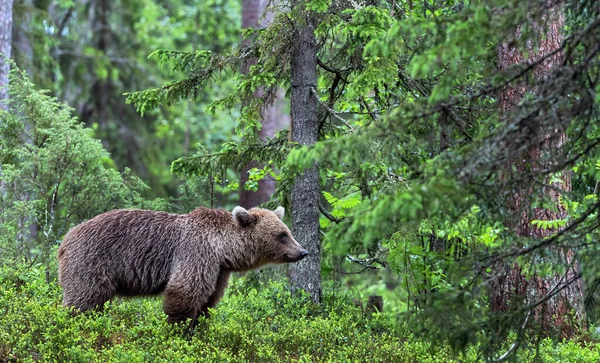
pixel 101 87
pixel 22 54
pixel 305 274
pixel 22 48
pixel 274 118
pixel 6 19
pixel 6 23
pixel 511 285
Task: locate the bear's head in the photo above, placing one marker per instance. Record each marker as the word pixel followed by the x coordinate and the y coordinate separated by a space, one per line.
pixel 268 240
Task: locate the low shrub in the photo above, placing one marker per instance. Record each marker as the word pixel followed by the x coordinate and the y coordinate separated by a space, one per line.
pixel 266 324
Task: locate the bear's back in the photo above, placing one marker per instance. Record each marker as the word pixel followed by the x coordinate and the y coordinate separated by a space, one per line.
pixel 134 247
pixel 125 228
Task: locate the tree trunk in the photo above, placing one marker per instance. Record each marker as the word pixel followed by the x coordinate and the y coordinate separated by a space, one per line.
pixel 101 87
pixel 305 274
pixel 511 285
pixel 6 19
pixel 22 54
pixel 274 118
pixel 22 32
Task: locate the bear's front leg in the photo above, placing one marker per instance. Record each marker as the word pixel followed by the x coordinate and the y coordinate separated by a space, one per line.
pixel 186 293
pixel 218 292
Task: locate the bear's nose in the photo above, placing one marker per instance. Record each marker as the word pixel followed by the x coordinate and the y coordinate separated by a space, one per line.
pixel 304 253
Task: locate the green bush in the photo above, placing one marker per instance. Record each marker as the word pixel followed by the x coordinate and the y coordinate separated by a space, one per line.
pixel 54 174
pixel 267 324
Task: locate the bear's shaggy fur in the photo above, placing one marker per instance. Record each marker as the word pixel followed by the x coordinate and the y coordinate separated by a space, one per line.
pixel 187 257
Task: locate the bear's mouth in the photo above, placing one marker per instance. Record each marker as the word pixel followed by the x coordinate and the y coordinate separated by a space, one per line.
pixel 296 257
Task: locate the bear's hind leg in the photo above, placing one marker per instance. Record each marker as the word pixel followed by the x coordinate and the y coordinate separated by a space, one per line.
pixel 86 293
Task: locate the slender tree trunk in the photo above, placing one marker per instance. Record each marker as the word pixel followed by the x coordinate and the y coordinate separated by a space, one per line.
pixel 512 285
pixel 22 49
pixel 305 274
pixel 6 19
pixel 6 23
pixel 274 118
pixel 188 120
pixel 98 107
pixel 101 87
pixel 22 53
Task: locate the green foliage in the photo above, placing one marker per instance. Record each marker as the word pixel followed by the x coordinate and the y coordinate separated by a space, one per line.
pixel 54 174
pixel 201 71
pixel 319 6
pixel 266 324
pixel 58 43
pixel 420 166
pixel 192 88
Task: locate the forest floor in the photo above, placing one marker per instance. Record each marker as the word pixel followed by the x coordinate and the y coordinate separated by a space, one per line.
pixel 252 324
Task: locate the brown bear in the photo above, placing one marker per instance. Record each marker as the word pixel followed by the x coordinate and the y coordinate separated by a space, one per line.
pixel 189 257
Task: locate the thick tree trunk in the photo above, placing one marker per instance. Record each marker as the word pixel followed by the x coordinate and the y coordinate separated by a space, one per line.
pixel 274 118
pixel 6 23
pixel 305 274
pixel 512 286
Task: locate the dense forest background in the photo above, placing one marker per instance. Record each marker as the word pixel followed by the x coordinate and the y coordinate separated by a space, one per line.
pixel 438 156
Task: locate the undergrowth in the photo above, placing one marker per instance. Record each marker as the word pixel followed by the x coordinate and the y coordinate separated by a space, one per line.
pixel 250 325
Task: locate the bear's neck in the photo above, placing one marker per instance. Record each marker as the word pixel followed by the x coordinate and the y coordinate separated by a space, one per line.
pixel 237 255
pixel 227 240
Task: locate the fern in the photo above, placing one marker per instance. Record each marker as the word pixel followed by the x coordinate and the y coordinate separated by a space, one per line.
pixel 350 201
pixel 330 198
pixel 549 224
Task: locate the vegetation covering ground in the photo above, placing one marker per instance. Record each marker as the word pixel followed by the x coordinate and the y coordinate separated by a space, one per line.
pixel 262 323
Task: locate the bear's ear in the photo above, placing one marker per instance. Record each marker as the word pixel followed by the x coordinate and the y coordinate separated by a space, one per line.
pixel 279 212
pixel 242 217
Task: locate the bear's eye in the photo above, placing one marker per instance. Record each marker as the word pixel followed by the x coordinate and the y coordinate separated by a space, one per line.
pixel 282 237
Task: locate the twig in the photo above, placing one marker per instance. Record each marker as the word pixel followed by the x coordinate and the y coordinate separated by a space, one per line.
pixel 337 72
pixel 329 216
pixel 330 110
pixel 368 262
pixel 517 341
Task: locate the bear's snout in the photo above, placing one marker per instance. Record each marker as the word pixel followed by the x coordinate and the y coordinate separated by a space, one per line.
pixel 297 256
